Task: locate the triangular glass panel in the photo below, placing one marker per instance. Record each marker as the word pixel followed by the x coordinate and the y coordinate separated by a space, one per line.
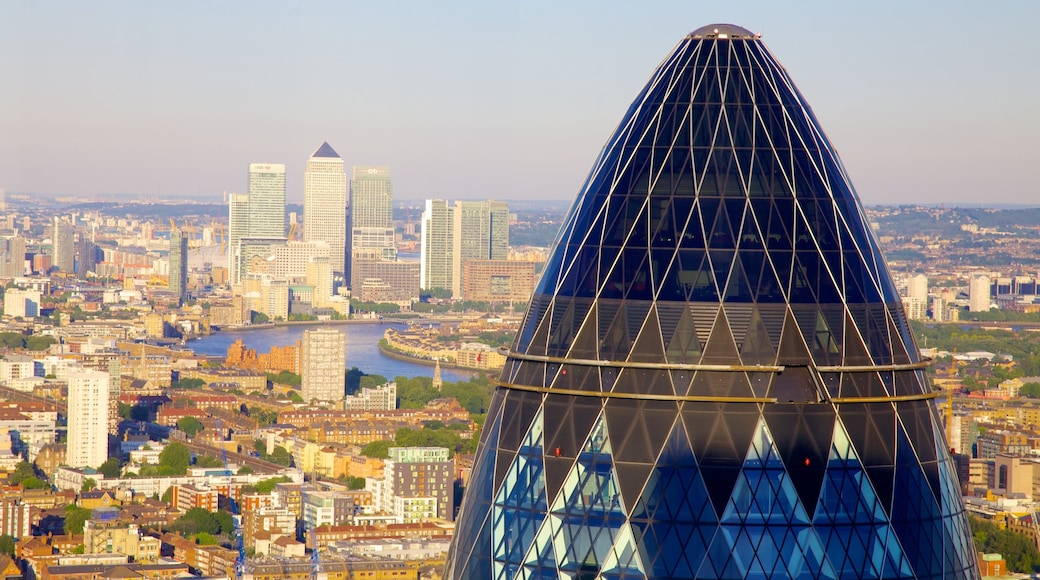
pixel 720 434
pixel 756 347
pixel 804 445
pixel 683 346
pixel 648 345
pixel 721 348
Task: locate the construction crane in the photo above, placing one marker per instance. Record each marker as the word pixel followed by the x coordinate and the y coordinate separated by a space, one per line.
pixel 236 517
pixel 219 235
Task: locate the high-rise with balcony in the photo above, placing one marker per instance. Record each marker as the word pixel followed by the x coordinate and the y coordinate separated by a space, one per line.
pixel 715 377
pixel 436 255
pixel 323 354
pixel 88 418
pixel 63 245
pixel 179 264
pixel 238 228
pixel 325 204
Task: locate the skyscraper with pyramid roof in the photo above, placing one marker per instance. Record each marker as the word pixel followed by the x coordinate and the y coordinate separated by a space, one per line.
pixel 715 377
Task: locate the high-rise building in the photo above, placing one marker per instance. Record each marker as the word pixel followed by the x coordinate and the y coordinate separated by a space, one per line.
pixel 88 418
pixel 238 228
pixel 418 473
pixel 13 263
pixel 371 211
pixel 323 355
pixel 319 276
pixel 87 256
pixel 980 294
pixel 325 204
pixel 22 302
pixel 266 200
pixel 63 247
pixel 179 264
pixel 480 232
pixel 715 377
pixel 436 254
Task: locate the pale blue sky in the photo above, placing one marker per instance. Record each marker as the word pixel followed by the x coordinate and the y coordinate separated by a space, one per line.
pixel 926 101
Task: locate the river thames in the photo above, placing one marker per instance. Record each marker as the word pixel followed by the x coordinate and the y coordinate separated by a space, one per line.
pixel 362 347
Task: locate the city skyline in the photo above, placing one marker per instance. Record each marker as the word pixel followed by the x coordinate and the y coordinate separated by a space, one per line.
pixel 150 100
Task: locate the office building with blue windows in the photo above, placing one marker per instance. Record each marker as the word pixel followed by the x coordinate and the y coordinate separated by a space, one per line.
pixel 715 377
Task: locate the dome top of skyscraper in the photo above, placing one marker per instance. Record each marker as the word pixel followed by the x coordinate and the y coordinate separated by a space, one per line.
pixel 326 150
pixel 722 31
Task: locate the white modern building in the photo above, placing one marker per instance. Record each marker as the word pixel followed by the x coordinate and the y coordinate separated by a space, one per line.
pixel 381 398
pixel 979 294
pixel 325 204
pixel 323 354
pixel 289 260
pixel 437 246
pixel 88 418
pixel 23 303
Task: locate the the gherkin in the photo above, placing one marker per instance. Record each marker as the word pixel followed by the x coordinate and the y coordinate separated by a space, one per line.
pixel 715 377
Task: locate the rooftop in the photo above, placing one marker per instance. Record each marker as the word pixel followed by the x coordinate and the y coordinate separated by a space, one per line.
pixel 723 31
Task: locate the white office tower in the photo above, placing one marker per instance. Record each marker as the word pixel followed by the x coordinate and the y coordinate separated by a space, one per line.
pixel 238 228
pixel 88 418
pixel 917 287
pixel 979 294
pixel 325 204
pixel 323 355
pixel 436 250
pixel 916 300
pixel 23 303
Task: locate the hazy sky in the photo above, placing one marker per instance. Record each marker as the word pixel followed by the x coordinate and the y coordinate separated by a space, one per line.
pixel 926 101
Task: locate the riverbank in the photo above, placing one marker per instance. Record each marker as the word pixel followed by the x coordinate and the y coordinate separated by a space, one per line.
pixel 387 351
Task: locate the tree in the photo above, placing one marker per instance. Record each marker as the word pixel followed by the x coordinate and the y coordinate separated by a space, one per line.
pixel 285 378
pixel 280 456
pixel 89 484
pixel 75 517
pixel 191 383
pixel 190 425
pixel 265 486
pixel 174 459
pixel 245 470
pixel 22 471
pixel 195 521
pixel 7 545
pixel 208 461
pixel 110 468
pixel 167 495
pixel 35 483
pixel 227 523
pixel 205 539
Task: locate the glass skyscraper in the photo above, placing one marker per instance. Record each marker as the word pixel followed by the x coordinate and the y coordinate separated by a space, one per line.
pixel 267 200
pixel 371 212
pixel 179 264
pixel 715 377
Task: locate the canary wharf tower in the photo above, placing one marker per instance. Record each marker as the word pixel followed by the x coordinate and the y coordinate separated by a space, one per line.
pixel 715 377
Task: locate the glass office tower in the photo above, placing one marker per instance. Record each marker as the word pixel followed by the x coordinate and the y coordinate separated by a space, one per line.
pixel 715 377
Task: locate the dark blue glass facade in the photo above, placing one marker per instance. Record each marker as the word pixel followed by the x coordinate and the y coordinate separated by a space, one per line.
pixel 715 377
